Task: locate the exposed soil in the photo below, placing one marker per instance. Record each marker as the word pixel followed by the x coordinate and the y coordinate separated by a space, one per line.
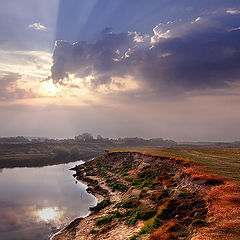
pixel 151 197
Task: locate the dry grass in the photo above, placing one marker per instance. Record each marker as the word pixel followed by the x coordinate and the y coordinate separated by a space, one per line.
pixel 164 232
pixel 223 215
pixel 222 161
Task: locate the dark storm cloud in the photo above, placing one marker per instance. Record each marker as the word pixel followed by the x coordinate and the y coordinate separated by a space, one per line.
pixel 201 54
pixel 84 59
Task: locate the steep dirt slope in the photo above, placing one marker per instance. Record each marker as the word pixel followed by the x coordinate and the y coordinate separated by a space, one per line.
pixel 152 197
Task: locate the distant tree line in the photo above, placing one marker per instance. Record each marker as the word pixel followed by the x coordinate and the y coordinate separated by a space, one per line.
pixel 18 139
pixel 128 141
pixel 88 138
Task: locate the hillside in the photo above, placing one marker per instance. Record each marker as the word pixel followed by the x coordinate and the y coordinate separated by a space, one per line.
pixel 142 196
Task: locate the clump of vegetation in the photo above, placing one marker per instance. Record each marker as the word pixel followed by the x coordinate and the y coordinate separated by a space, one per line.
pixel 159 195
pixel 104 220
pixel 164 232
pixel 130 203
pixel 147 214
pixel 134 237
pixel 120 187
pixel 108 218
pixel 114 184
pixel 134 216
pixel 116 214
pixel 167 209
pixel 150 225
pixel 101 205
pixel 144 179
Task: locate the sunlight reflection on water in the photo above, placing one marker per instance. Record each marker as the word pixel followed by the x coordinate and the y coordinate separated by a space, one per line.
pixel 36 202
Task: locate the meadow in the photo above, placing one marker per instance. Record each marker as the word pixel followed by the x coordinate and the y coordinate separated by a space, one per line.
pixel 222 161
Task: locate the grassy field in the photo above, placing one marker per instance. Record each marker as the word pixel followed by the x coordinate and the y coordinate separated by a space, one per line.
pixel 223 161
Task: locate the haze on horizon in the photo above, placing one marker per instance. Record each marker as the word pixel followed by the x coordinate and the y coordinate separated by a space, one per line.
pixel 146 68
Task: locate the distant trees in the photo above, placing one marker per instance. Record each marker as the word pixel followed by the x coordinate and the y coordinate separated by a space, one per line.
pixel 85 137
pixel 88 138
pixel 13 139
pixel 124 142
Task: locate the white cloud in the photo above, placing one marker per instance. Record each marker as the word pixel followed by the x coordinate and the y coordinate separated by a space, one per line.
pixel 37 26
pixel 234 29
pixel 233 11
pixel 138 37
pixel 161 31
pixel 196 20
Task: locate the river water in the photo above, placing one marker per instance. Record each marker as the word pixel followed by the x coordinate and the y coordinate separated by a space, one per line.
pixel 36 202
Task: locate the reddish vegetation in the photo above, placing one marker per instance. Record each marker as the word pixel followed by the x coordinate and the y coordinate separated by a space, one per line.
pixel 164 232
pixel 223 212
pixel 197 174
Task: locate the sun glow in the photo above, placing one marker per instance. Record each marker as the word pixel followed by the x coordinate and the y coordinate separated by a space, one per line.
pixel 51 88
pixel 48 214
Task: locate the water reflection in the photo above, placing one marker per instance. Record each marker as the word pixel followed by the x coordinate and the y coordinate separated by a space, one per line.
pixel 35 202
pixel 48 214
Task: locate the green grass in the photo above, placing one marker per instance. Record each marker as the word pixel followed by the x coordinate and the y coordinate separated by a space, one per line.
pixel 104 220
pixel 101 205
pixel 223 161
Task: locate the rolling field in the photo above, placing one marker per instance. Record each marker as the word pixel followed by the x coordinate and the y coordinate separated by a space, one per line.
pixel 223 161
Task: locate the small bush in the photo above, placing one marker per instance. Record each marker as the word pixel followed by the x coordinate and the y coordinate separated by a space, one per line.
pixel 150 226
pixel 168 210
pixel 101 205
pixel 134 237
pixel 120 187
pixel 128 179
pixel 159 195
pixel 103 220
pixel 134 216
pixel 116 214
pixel 145 215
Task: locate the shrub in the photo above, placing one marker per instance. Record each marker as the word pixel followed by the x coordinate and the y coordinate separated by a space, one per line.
pixel 134 216
pixel 116 214
pixel 120 187
pixel 130 203
pixel 150 225
pixel 159 195
pixel 101 205
pixel 167 210
pixel 145 215
pixel 104 220
pixel 134 237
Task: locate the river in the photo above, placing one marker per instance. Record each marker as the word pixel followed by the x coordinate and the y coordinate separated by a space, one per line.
pixel 36 202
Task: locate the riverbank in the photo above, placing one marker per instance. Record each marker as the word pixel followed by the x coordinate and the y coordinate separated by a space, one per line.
pixel 151 197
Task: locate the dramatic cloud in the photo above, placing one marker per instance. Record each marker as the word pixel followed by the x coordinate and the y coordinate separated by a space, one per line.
pixel 179 57
pixel 97 61
pixel 37 26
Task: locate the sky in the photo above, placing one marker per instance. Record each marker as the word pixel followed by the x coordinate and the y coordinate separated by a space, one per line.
pixel 146 68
